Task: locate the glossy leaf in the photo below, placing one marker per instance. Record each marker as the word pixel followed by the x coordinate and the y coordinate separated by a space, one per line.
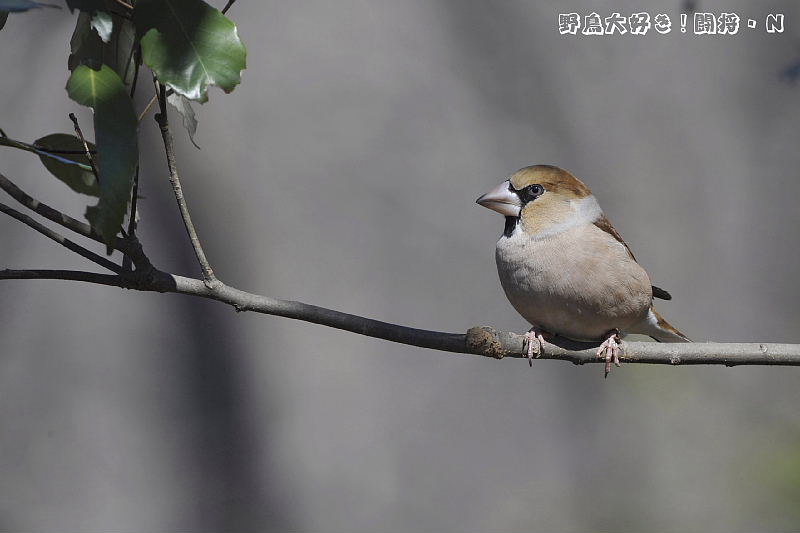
pixel 115 125
pixel 103 25
pixel 78 178
pixel 87 48
pixel 184 107
pixel 189 45
pixel 15 6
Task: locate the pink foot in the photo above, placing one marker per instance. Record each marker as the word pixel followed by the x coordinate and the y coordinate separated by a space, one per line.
pixel 535 342
pixel 609 350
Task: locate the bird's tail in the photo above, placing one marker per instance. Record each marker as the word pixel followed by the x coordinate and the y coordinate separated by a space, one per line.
pixel 659 329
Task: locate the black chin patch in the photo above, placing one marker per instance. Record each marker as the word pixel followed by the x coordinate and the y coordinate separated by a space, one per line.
pixel 511 223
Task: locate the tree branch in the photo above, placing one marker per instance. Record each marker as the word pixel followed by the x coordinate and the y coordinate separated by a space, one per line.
pixel 69 275
pixel 53 215
pixel 130 247
pixel 480 340
pixel 88 152
pixel 169 146
pixel 60 239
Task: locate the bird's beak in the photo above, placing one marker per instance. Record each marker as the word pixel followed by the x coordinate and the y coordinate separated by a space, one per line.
pixel 502 199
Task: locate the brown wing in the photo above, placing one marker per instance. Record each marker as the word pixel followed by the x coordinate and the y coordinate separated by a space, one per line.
pixel 606 226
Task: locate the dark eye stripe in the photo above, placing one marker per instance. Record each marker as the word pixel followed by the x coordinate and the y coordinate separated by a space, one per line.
pixel 530 193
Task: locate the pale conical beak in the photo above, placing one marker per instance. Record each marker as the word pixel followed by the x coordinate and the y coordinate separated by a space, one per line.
pixel 502 199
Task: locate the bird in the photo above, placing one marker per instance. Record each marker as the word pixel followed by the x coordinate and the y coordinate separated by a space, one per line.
pixel 565 268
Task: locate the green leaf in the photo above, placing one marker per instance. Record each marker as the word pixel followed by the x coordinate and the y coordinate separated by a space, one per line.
pixel 23 5
pixel 189 45
pixel 183 106
pixel 87 48
pixel 77 177
pixel 103 25
pixel 115 127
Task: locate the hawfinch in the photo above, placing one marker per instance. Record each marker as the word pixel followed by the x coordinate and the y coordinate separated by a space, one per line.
pixel 565 268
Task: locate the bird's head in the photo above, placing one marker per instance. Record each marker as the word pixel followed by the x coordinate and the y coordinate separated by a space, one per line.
pixel 544 198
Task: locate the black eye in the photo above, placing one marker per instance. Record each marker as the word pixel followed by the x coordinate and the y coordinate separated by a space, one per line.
pixel 531 192
pixel 535 190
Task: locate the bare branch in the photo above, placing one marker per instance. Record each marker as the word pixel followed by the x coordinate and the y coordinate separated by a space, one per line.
pixel 70 275
pixel 46 211
pixel 130 247
pixel 88 152
pixel 169 146
pixel 150 104
pixel 481 340
pixel 228 6
pixel 60 239
pixel 51 153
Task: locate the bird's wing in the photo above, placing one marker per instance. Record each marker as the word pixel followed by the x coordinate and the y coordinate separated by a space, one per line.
pixel 604 224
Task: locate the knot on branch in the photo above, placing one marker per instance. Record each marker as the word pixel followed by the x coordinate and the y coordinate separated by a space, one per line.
pixel 485 340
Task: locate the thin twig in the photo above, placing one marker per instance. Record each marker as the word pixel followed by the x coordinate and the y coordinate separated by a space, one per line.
pixel 481 340
pixel 150 104
pixel 130 247
pixel 169 146
pixel 126 261
pixel 228 6
pixel 153 100
pixel 136 57
pixel 71 275
pixel 124 4
pixel 52 154
pixel 66 152
pixel 46 211
pixel 88 152
pixel 60 239
pixel 134 205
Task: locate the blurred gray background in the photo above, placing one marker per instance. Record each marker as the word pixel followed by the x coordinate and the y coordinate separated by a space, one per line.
pixel 343 172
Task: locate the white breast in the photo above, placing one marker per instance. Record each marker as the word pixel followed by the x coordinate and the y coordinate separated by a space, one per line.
pixel 578 282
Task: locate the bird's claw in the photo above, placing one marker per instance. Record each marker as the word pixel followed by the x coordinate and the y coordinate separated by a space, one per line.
pixel 609 350
pixel 535 343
